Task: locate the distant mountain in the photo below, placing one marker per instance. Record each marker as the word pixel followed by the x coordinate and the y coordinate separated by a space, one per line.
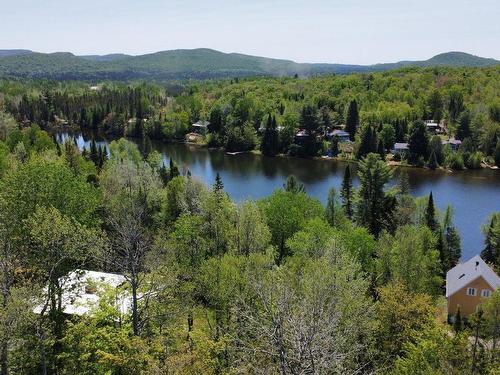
pixel 195 63
pixel 110 57
pixel 14 52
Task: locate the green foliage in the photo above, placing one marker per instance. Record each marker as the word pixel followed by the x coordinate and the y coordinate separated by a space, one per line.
pixel 410 257
pixel 375 207
pixel 418 142
pixel 286 213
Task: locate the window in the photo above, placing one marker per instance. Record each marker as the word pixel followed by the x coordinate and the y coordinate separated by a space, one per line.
pixel 471 291
pixel 485 293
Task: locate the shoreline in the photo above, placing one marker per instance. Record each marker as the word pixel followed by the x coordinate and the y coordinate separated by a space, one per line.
pixel 393 164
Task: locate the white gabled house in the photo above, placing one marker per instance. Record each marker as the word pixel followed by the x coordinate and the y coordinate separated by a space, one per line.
pixel 82 290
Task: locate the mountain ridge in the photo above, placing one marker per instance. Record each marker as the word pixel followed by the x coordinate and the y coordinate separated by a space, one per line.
pixel 195 63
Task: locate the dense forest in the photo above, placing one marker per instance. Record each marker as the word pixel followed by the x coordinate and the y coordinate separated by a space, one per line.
pixel 282 285
pixel 291 116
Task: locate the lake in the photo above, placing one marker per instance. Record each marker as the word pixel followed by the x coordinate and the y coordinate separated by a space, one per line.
pixel 474 194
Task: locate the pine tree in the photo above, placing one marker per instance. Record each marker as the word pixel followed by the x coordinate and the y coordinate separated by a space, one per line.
pixel 491 251
pixel 430 214
pixel 352 119
pixel 293 185
pixel 458 323
pixel 94 153
pixel 173 170
pixel 334 146
pixel 331 206
pixel 218 186
pixel 418 142
pixel 432 163
pixel 346 192
pixel 452 239
pixel 164 175
pixel 368 142
pixel 381 149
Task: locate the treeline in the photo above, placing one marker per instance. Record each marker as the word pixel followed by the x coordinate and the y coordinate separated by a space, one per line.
pixel 377 110
pixel 281 285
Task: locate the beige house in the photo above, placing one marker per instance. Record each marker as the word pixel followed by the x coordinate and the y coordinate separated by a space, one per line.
pixel 467 284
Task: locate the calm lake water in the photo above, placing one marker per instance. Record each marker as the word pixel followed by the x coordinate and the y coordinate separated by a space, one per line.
pixel 474 195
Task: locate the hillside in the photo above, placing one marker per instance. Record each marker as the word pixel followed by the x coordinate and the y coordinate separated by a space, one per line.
pixel 196 63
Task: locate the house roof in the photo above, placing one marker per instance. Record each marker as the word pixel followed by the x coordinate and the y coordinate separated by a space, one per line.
pixel 201 124
pixel 452 141
pixel 340 133
pixel 82 290
pixel 463 274
pixel 401 146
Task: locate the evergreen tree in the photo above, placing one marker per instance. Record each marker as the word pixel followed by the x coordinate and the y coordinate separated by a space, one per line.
pixel 346 193
pixel 432 163
pixel 452 239
pixel 218 186
pixel 352 119
pixel 375 208
pixel 270 141
pixel 368 142
pixel 458 323
pixel 174 171
pixel 491 251
pixel 418 142
pixel 430 214
pixel 463 129
pixel 293 185
pixel 94 153
pixel 334 146
pixel 164 175
pixel 381 149
pixel 331 207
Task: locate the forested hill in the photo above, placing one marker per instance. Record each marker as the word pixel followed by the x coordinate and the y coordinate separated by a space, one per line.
pixel 195 63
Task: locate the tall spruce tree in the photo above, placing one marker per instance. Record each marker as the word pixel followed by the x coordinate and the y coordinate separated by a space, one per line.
pixel 331 207
pixel 218 185
pixel 352 119
pixel 375 208
pixel 368 142
pixel 452 239
pixel 430 214
pixel 346 193
pixel 418 142
pixel 491 251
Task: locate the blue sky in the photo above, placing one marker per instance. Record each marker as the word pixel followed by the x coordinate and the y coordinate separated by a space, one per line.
pixel 349 31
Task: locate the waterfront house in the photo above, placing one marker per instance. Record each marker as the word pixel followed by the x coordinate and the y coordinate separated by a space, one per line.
pixel 200 127
pixel 82 290
pixel 467 284
pixel 433 127
pixel 400 149
pixel 341 134
pixel 301 137
pixel 453 143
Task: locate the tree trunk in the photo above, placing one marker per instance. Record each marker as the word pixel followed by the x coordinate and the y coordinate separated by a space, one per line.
pixel 135 317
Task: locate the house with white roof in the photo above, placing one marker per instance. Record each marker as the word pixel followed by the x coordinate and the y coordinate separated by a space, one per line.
pixel 467 284
pixel 82 290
